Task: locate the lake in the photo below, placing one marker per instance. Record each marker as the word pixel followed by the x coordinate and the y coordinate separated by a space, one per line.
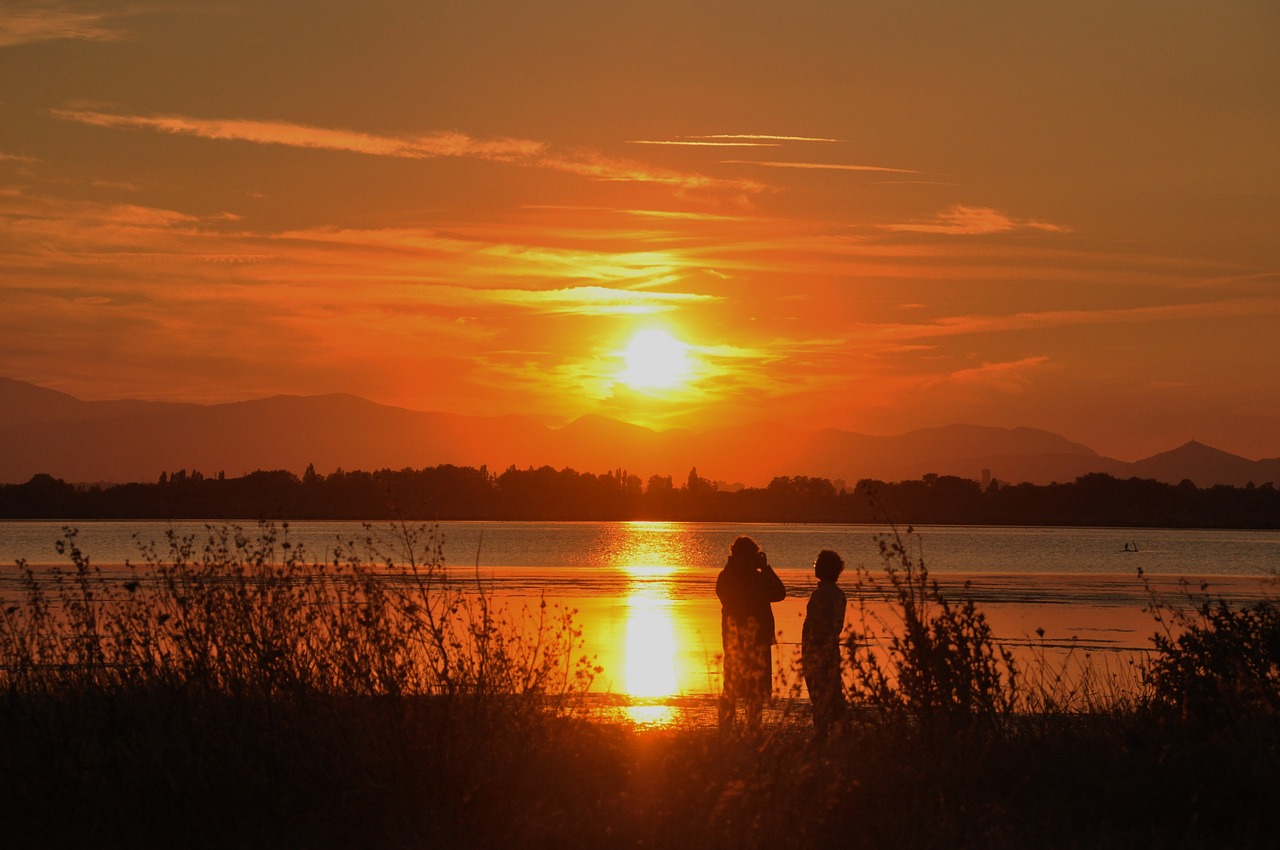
pixel 645 597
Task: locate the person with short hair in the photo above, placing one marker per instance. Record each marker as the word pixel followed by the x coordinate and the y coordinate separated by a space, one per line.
pixel 820 644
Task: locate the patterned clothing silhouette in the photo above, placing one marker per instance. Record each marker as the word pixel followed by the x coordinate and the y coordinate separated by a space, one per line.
pixel 746 587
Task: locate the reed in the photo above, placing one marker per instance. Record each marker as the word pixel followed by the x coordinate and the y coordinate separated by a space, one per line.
pixel 231 674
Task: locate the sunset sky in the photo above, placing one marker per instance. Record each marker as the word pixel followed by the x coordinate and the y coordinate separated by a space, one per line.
pixel 874 216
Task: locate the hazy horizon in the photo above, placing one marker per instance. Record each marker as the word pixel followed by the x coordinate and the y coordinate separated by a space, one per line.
pixel 558 423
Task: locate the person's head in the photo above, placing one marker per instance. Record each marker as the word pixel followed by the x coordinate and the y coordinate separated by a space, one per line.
pixel 828 566
pixel 745 552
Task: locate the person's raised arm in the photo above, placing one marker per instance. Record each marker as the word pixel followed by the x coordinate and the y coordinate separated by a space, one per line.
pixel 773 585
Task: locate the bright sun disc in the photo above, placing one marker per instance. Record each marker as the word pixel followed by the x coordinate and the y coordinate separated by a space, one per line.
pixel 655 360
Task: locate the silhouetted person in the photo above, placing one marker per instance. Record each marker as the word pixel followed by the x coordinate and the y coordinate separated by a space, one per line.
pixel 746 586
pixel 820 644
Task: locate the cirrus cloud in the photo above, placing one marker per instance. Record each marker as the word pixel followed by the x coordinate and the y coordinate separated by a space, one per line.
pixel 973 221
pixel 52 23
pixel 821 166
pixel 1009 376
pixel 525 152
pixel 303 136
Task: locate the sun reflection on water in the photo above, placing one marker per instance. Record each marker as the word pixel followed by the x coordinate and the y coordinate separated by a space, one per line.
pixel 653 556
pixel 654 715
pixel 651 648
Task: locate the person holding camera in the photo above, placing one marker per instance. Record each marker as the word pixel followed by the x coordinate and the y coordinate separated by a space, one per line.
pixel 746 588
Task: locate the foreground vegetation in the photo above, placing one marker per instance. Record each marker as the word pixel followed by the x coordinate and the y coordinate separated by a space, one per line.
pixel 465 493
pixel 230 692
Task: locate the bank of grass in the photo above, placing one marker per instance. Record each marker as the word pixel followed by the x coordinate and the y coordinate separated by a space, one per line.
pixel 230 693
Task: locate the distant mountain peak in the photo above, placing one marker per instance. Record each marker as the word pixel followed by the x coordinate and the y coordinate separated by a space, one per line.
pixel 596 423
pixel 1195 449
pixel 1205 465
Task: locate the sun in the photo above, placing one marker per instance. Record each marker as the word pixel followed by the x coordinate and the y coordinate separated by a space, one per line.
pixel 655 360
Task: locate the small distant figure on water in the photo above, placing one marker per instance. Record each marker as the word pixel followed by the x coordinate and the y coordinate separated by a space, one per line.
pixel 820 644
pixel 746 587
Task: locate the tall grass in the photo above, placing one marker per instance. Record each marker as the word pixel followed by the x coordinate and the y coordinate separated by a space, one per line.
pixel 242 615
pixel 228 687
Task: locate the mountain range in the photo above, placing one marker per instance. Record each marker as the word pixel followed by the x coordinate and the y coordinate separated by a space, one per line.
pixel 45 431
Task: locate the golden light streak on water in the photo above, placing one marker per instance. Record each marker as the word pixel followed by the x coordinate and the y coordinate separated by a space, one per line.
pixel 651 648
pixel 652 555
pixel 653 715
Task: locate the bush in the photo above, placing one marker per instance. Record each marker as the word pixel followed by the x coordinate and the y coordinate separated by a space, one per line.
pixel 938 662
pixel 1219 665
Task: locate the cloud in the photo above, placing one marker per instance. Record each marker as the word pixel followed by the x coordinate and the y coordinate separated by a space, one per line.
pixel 82 242
pixel 731 140
pixel 973 221
pixel 600 167
pixel 702 143
pixel 594 300
pixel 688 215
pixel 965 325
pixel 302 136
pixel 51 23
pixel 764 137
pixel 46 232
pixel 822 166
pixel 425 146
pixel 1009 377
pixel 488 256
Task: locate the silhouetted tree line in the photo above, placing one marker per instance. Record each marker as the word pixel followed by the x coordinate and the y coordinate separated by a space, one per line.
pixel 453 493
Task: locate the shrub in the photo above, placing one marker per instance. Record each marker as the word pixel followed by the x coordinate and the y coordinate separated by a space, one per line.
pixel 1218 664
pixel 939 661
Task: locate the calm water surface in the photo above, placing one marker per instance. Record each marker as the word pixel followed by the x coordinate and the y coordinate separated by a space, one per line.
pixel 644 592
pixel 593 545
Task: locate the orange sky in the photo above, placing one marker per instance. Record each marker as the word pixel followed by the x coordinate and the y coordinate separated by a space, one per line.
pixel 870 216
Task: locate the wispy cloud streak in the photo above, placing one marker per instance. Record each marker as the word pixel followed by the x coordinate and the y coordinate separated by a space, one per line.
pixel 702 143
pixel 764 137
pixel 303 136
pixel 593 300
pixel 731 140
pixel 598 167
pixel 1009 376
pixel 974 221
pixel 426 146
pixel 51 23
pixel 968 325
pixel 822 166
